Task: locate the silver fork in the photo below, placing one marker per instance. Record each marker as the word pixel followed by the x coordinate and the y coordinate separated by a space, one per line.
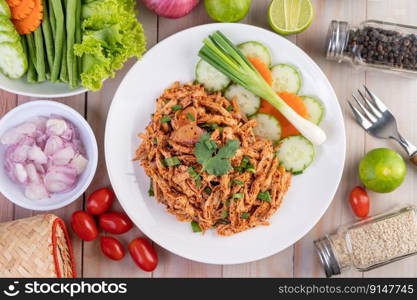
pixel 372 114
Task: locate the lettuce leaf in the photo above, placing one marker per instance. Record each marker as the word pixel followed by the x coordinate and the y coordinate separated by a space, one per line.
pixel 111 35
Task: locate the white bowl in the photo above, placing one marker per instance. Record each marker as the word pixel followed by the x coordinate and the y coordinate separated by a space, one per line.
pixel 20 114
pixel 40 90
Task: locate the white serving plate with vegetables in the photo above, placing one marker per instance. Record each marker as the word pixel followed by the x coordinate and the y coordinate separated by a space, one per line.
pixel 175 59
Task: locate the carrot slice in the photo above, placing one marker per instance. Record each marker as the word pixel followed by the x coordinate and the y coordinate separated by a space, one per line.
pixel 13 3
pixel 23 9
pixel 295 102
pixel 32 21
pixel 262 69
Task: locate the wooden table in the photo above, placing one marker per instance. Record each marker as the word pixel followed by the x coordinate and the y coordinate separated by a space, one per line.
pixel 300 260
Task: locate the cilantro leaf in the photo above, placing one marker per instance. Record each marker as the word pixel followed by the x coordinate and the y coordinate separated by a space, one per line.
pixel 219 164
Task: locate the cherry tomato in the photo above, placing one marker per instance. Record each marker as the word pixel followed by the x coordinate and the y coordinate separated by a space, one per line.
pixel 143 254
pixel 115 222
pixel 359 201
pixel 112 248
pixel 100 201
pixel 84 225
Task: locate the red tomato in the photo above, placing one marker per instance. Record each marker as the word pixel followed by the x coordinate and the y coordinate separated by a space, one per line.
pixel 100 201
pixel 359 201
pixel 115 222
pixel 84 225
pixel 112 248
pixel 143 254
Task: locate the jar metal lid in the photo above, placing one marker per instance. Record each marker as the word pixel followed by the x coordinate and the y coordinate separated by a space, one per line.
pixel 337 38
pixel 327 256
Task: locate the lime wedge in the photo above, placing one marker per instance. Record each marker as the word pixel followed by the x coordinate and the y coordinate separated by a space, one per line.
pixel 290 16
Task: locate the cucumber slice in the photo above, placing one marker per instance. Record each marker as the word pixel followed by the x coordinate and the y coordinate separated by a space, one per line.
pixel 14 62
pixel 6 24
pixel 315 109
pixel 4 9
pixel 212 79
pixel 256 49
pixel 249 103
pixel 9 36
pixel 296 153
pixel 267 126
pixel 286 78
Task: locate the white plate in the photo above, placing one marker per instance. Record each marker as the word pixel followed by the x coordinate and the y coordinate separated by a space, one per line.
pixel 172 60
pixel 41 90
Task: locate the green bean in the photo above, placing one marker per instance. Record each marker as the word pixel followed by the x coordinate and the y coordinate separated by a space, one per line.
pixel 71 14
pixel 31 75
pixel 40 55
pixel 78 38
pixel 59 38
pixel 52 20
pixel 31 48
pixel 47 34
pixel 63 76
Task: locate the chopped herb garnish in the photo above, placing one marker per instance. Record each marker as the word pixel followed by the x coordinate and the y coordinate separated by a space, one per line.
pixel 224 214
pixel 195 227
pixel 245 215
pixel 151 192
pixel 214 163
pixel 191 117
pixel 250 169
pixel 244 162
pixel 209 126
pixel 207 190
pixel 194 175
pixel 238 182
pixel 229 108
pixel 264 196
pixel 238 196
pixel 165 119
pixel 223 221
pixel 227 202
pixel 176 107
pixel 155 141
pixel 238 169
pixel 172 161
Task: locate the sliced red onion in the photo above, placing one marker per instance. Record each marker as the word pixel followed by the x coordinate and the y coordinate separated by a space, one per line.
pixel 45 155
pixel 20 173
pixel 56 126
pixel 53 144
pixel 79 162
pixel 36 154
pixel 33 174
pixel 63 156
pixel 36 191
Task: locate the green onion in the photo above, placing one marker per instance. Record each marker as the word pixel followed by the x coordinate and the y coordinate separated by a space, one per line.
pixel 238 169
pixel 207 190
pixel 224 214
pixel 264 196
pixel 238 182
pixel 165 119
pixel 229 108
pixel 227 202
pixel 245 215
pixel 210 126
pixel 223 55
pixel 191 117
pixel 194 175
pixel 151 192
pixel 251 169
pixel 238 196
pixel 195 227
pixel 223 221
pixel 176 107
pixel 155 141
pixel 244 162
pixel 172 161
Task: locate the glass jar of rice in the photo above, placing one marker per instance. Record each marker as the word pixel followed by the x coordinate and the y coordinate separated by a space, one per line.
pixel 370 243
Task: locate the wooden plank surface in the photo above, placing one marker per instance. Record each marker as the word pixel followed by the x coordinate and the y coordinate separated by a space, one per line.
pixel 299 260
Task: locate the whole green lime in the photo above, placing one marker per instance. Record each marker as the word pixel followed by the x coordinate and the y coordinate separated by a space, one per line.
pixel 382 170
pixel 227 10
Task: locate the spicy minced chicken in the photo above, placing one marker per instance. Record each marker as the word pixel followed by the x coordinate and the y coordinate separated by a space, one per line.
pixel 206 165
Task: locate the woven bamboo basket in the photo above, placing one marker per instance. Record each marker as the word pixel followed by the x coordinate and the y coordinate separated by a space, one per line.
pixel 36 247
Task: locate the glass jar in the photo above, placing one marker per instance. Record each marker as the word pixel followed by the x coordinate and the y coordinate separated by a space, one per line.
pixel 370 243
pixel 374 44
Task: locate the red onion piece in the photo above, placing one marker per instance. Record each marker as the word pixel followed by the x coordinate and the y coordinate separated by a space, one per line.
pixel 36 154
pixel 53 144
pixel 63 156
pixel 79 162
pixel 171 8
pixel 36 191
